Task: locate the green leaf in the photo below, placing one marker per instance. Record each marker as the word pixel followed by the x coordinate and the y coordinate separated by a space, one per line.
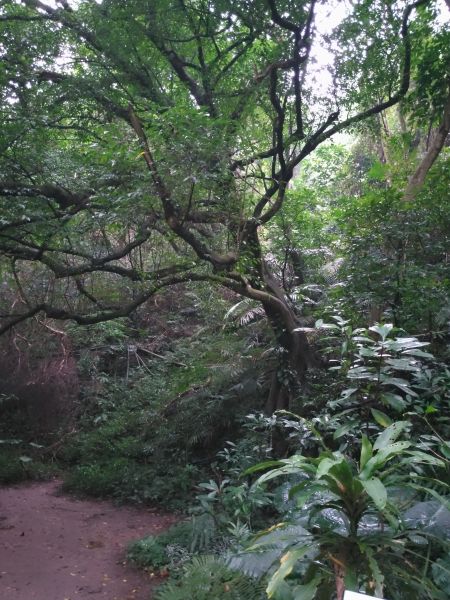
pixel 377 492
pixel 393 400
pixel 361 338
pixel 308 590
pixel 401 384
pixel 382 457
pixel 381 418
pixel 403 364
pixel 445 449
pixel 340 431
pixel 390 434
pixel 428 459
pixel 274 473
pixel 25 459
pixel 419 353
pixel 350 577
pixel 378 171
pixel 366 451
pixel 409 344
pixel 261 466
pixel 382 330
pixel 377 575
pixel 429 490
pixel 264 533
pixel 368 352
pixel 419 540
pixel 304 490
pixel 287 563
pixel 326 464
pixel 362 373
pixel 343 474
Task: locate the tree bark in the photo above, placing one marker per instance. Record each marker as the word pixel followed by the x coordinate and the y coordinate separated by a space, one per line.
pixel 295 355
pixel 417 180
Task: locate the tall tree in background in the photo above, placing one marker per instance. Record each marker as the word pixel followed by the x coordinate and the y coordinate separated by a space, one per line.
pixel 149 143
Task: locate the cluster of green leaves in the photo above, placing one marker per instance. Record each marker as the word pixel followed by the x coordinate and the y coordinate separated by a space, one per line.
pixel 382 370
pixel 350 524
pixel 394 252
pixel 207 577
pixel 20 461
pixel 166 414
pixel 157 552
pixel 355 513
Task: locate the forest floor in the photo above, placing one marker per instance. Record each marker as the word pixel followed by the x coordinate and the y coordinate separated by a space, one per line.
pixel 55 547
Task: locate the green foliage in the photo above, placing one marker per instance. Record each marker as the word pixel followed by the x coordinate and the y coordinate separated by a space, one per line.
pixel 385 375
pixel 394 252
pixel 349 524
pixel 156 552
pixel 164 418
pixel 16 466
pixel 429 95
pixel 382 364
pixel 11 468
pixel 441 574
pixel 148 160
pixel 102 479
pixel 208 578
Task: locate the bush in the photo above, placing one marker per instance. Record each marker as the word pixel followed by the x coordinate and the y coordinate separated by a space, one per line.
pixel 154 551
pixel 97 479
pixel 11 469
pixel 208 578
pixel 126 480
pixel 15 468
pixel 152 438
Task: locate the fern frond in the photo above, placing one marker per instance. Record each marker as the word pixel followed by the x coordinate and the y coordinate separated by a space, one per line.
pixel 330 270
pixel 208 578
pixel 244 312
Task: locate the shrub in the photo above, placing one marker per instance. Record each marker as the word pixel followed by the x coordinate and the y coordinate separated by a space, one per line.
pixel 15 467
pixel 208 578
pixel 97 479
pixel 11 469
pixel 154 551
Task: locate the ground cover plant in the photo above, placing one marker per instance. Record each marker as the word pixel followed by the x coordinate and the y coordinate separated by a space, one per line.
pixel 224 265
pixel 162 416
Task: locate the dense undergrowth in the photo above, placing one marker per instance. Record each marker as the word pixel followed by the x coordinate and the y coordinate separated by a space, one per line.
pixel 150 436
pixel 387 385
pixel 182 426
pixel 353 484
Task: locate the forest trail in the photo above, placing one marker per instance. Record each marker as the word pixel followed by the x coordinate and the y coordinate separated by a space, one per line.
pixel 55 547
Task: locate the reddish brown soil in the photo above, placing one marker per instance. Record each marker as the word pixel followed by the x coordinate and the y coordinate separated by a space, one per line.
pixel 54 547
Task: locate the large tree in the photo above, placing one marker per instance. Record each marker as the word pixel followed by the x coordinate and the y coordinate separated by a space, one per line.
pixel 149 143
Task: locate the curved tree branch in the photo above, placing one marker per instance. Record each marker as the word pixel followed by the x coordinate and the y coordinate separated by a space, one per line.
pixel 417 180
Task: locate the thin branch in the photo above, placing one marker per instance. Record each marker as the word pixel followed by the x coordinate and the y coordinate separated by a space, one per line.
pixel 171 211
pixel 317 138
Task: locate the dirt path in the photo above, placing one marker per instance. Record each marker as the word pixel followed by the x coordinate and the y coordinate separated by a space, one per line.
pixel 54 547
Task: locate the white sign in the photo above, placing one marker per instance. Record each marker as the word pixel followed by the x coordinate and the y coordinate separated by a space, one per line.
pixel 356 596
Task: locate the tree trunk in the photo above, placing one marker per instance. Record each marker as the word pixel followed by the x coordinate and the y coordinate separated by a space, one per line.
pixel 293 347
pixel 417 180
